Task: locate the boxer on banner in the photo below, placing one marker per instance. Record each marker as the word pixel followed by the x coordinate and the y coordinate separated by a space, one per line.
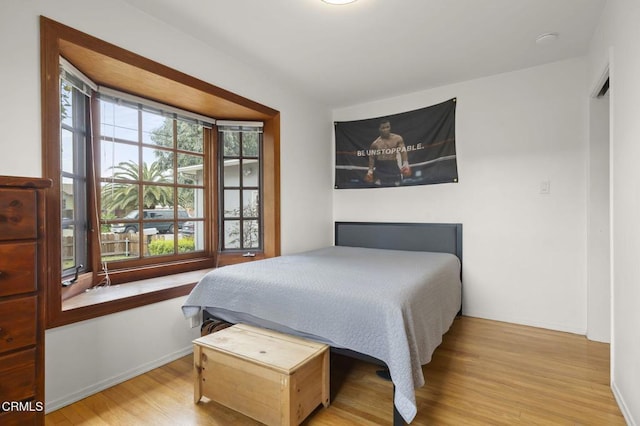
pixel 384 168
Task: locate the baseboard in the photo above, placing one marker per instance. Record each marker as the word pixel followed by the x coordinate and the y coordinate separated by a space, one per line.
pixel 623 407
pixel 112 381
pixel 529 323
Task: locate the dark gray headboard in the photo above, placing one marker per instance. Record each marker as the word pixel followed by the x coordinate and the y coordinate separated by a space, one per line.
pixel 437 237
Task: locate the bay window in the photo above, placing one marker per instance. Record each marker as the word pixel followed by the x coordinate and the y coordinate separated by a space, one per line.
pixel 157 176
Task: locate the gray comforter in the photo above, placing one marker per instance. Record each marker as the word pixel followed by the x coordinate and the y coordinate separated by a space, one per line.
pixel 389 304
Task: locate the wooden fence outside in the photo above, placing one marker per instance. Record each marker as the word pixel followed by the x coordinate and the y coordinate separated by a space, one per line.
pixel 112 245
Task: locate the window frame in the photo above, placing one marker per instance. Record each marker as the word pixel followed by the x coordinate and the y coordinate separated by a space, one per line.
pixel 79 130
pixel 209 167
pixel 241 218
pixel 102 62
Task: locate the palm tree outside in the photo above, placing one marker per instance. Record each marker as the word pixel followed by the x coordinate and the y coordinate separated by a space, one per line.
pixel 118 196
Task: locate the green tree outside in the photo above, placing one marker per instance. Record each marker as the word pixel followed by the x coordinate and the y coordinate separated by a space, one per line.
pixel 189 137
pixel 117 196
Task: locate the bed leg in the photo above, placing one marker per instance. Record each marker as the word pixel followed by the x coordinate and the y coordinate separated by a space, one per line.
pixel 384 374
pixel 397 418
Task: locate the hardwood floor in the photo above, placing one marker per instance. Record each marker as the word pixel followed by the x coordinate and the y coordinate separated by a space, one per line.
pixel 484 373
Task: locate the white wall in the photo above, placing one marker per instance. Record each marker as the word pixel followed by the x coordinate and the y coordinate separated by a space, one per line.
pixel 89 356
pixel 616 43
pixel 82 355
pixel 524 252
pixel 598 223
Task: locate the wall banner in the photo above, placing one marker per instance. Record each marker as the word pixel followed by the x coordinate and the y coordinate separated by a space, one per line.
pixel 410 148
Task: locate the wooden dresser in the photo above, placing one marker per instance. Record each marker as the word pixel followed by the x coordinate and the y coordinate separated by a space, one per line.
pixel 22 272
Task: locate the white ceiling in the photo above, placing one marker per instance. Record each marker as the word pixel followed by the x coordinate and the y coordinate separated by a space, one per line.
pixel 373 49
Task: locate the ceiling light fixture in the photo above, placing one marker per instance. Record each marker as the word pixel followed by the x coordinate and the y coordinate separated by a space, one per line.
pixel 547 38
pixel 338 1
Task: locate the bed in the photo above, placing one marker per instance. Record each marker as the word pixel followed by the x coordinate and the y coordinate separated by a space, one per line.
pixel 385 292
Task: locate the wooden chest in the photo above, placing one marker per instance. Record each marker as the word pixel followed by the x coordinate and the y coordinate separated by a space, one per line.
pixel 274 378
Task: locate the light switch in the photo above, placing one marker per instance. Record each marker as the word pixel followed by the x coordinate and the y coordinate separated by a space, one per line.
pixel 545 187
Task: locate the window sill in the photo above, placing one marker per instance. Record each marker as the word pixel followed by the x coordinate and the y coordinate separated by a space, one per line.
pixel 78 304
pixel 134 290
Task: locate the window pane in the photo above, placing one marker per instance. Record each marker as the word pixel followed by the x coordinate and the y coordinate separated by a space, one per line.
pixel 66 141
pixel 160 245
pixel 231 173
pixel 157 130
pixel 232 234
pixel 250 173
pixel 115 247
pixel 231 203
pixel 190 169
pixel 186 243
pixel 186 228
pixel 66 103
pixel 68 247
pixel 157 165
pixel 250 207
pixel 193 230
pixel 190 136
pixel 118 121
pixel 231 142
pixel 73 219
pixel 67 201
pixel 251 233
pixel 119 160
pixel 192 200
pixel 156 196
pixel 250 144
pixel 119 200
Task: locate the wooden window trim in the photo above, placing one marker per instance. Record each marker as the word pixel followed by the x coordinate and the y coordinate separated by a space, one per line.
pixel 112 66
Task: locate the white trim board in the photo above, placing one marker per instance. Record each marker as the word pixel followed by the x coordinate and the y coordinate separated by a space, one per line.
pixel 623 407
